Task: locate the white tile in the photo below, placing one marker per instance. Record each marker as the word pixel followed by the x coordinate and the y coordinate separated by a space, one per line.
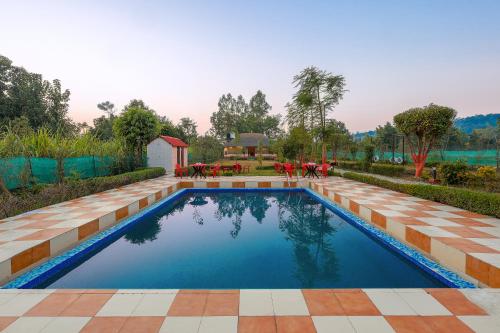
pixel 424 304
pixel 390 303
pixel 390 213
pixel 365 213
pixel 154 305
pixel 63 241
pixel 28 325
pixel 180 325
pixel 256 303
pixel 331 324
pixel 432 231
pixel 20 304
pixel 450 256
pixel 289 302
pixel 120 305
pixel 396 229
pixel 494 243
pixel 133 208
pixel 370 324
pixel 439 213
pixel 399 207
pixel 447 208
pixel 494 231
pixel 107 220
pixel 221 324
pixel 438 222
pixel 482 324
pixel 66 324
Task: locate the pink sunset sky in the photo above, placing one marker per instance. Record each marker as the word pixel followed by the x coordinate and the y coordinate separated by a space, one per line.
pixel 181 56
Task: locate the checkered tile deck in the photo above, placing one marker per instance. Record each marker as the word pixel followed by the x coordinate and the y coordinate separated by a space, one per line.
pixel 463 241
pixel 221 311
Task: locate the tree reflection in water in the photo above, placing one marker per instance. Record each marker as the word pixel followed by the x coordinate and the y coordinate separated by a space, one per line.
pixel 303 221
pixel 306 224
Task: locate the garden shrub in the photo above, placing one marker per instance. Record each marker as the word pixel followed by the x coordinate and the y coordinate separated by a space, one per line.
pixel 44 195
pixel 388 169
pixel 454 173
pixel 474 201
pixel 264 167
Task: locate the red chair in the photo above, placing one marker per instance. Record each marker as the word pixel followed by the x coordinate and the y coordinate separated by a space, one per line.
pixel 278 167
pixel 237 168
pixel 180 171
pixel 324 169
pixel 289 169
pixel 215 170
pixel 304 168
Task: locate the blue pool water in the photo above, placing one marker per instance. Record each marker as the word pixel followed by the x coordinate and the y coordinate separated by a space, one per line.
pixel 236 240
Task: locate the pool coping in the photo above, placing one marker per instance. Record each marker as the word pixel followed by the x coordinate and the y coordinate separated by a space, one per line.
pixel 472 266
pixel 37 275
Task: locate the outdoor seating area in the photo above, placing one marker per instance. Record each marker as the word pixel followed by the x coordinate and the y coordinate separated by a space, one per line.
pixel 309 170
pixel 200 170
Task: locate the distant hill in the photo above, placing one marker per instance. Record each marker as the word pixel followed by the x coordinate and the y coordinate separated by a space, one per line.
pixel 468 124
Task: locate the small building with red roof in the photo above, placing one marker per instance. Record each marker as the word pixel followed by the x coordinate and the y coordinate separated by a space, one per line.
pixel 167 151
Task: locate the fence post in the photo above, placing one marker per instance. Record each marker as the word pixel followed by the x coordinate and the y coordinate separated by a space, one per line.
pixel 93 160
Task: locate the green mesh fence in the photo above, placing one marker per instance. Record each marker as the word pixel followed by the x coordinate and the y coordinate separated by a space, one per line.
pixel 14 171
pixel 20 171
pixel 471 157
pixel 43 170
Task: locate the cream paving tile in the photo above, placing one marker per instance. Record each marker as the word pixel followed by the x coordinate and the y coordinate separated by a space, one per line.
pixel 399 207
pixel 14 224
pixel 482 324
pixel 494 243
pixel 370 324
pixel 438 222
pixel 180 325
pixel 66 324
pixel 331 324
pixel 147 291
pixel 289 302
pixel 424 304
pixel 154 305
pixel 5 297
pixel 120 305
pixel 489 220
pixel 439 213
pixel 71 223
pixel 10 235
pixel 488 299
pixel 432 231
pixel 447 208
pixel 454 258
pixel 63 241
pixel 256 303
pixel 494 231
pixel 490 258
pixel 28 325
pixel 390 303
pixel 390 213
pixel 220 324
pixel 20 304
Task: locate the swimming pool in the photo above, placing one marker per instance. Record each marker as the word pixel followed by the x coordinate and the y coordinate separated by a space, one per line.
pixel 238 239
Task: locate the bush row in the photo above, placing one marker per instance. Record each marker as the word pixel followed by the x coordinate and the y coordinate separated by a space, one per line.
pixel 378 168
pixel 44 195
pixel 474 201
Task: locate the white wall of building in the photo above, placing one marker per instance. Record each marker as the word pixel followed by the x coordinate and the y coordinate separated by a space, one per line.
pixel 160 154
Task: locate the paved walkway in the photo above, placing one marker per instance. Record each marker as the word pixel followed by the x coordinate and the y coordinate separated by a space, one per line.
pixel 467 242
pixel 391 179
pixel 260 311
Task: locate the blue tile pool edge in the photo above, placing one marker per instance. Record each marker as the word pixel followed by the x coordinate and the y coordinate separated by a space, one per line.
pixel 54 265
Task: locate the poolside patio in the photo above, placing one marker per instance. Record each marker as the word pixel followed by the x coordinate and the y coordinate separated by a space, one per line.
pixel 465 242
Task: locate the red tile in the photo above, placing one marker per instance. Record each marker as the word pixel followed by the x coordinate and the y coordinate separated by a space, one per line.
pixel 142 325
pixel 52 305
pixel 88 229
pixel 420 240
pixel 104 325
pixel 322 303
pixel 477 268
pixel 256 325
pixel 379 219
pixel 222 305
pixel 6 321
pixel 443 324
pixel 356 304
pixel 87 305
pixel 468 222
pixel 294 324
pixel 466 245
pixel 470 214
pixel 456 302
pixel 468 232
pixel 188 305
pixel 409 324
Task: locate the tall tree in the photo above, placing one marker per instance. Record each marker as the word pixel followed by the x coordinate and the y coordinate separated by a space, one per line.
pixel 385 137
pixel 187 127
pixel 43 103
pixel 107 107
pixel 137 126
pixel 318 91
pixel 423 127
pixel 337 134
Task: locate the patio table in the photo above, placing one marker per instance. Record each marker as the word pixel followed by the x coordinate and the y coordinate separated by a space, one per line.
pixel 199 170
pixel 311 170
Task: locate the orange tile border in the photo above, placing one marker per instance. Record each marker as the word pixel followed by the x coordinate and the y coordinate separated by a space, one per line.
pixel 259 324
pixel 322 303
pixel 264 184
pixel 356 304
pixel 477 269
pixel 222 305
pixel 456 302
pixel 121 213
pixel 88 229
pixel 188 305
pixel 418 239
pixel 143 203
pixel 379 219
pixel 30 256
pixel 294 324
pixel 213 184
pixel 238 184
pixel 44 234
pixel 354 207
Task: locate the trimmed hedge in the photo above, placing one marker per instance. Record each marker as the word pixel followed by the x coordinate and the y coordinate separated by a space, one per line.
pixel 377 168
pixel 474 201
pixel 264 167
pixel 45 195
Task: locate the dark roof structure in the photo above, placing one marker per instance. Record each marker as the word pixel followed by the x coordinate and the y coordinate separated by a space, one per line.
pixel 174 141
pixel 248 140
